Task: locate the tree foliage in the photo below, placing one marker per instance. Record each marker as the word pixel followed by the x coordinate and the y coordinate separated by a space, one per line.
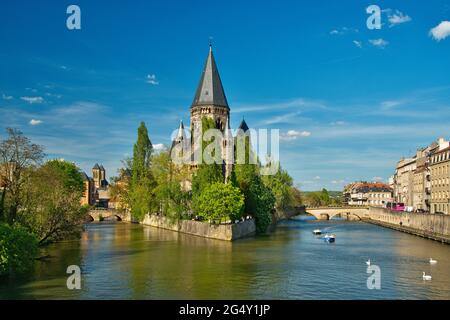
pixel 320 198
pixel 173 200
pixel 220 201
pixel 142 182
pixel 18 249
pixel 280 184
pixel 206 174
pixel 259 200
pixel 69 172
pixel 17 154
pixel 50 209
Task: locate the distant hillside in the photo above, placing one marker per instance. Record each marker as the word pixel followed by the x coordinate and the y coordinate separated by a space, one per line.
pixel 333 194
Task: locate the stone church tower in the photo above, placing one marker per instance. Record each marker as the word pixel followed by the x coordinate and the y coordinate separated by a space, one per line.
pixel 209 100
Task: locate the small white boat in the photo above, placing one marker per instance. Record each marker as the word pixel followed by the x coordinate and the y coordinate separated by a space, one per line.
pixel 317 231
pixel 368 262
pixel 426 277
pixel 330 238
pixel 433 261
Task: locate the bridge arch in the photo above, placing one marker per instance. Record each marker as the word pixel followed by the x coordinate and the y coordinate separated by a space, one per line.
pixel 327 213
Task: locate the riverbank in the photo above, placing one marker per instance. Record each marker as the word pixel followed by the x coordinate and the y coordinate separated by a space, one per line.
pixel 430 226
pixel 227 232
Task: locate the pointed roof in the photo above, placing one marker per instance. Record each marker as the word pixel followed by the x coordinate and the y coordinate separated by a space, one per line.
pixel 243 126
pixel 102 168
pixel 210 90
pixel 180 137
pixel 96 166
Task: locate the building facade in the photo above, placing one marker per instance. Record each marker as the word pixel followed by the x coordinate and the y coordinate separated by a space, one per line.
pixel 96 188
pixel 367 194
pixel 422 182
pixel 440 176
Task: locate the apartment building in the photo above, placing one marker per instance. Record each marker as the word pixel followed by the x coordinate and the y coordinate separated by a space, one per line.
pixel 367 194
pixel 440 176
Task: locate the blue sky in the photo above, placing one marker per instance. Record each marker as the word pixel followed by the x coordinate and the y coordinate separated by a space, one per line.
pixel 348 101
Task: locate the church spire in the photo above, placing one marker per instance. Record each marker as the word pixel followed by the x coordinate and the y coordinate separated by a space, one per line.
pixel 210 90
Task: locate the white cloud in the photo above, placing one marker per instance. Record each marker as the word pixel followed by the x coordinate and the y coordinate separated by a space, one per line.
pixel 316 178
pixel 343 30
pixel 377 179
pixel 294 134
pixel 357 43
pixel 379 43
pixel 32 100
pixel 35 122
pixel 338 123
pixel 159 146
pixel 64 67
pixel 441 31
pixel 397 18
pixel 151 78
pixel 5 97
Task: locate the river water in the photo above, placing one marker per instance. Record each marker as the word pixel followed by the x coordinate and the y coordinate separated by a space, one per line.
pixel 129 261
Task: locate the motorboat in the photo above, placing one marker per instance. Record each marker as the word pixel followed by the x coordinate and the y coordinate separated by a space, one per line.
pixel 317 231
pixel 329 238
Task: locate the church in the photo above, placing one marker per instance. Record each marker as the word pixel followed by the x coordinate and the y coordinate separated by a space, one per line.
pixel 209 101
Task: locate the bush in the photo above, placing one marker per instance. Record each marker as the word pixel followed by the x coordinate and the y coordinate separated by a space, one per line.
pixel 18 248
pixel 261 203
pixel 220 201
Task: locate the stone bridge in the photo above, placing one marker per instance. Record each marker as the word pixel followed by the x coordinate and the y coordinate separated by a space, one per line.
pixel 108 214
pixel 350 213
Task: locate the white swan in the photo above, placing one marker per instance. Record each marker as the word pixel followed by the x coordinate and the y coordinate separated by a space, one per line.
pixel 433 261
pixel 368 262
pixel 426 277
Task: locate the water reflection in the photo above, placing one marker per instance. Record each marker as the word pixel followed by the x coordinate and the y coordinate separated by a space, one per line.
pixel 128 261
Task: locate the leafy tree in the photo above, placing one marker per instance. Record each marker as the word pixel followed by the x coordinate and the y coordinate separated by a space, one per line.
pixel 18 249
pixel 261 203
pixel 119 189
pixel 17 154
pixel 70 173
pixel 168 192
pixel 206 174
pixel 142 182
pixel 325 197
pixel 280 184
pixel 296 197
pixel 259 200
pixel 220 201
pixel 49 209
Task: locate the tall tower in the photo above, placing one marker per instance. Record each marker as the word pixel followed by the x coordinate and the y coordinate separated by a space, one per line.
pixel 210 99
pixel 96 175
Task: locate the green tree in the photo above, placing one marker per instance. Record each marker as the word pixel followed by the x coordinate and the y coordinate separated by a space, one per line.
pixel 168 192
pixel 18 249
pixel 221 201
pixel 142 182
pixel 325 197
pixel 17 154
pixel 261 203
pixel 206 174
pixel 280 184
pixel 50 209
pixel 259 200
pixel 69 172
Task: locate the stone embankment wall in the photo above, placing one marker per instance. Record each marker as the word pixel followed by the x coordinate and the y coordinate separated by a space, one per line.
pixel 228 232
pixel 432 226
